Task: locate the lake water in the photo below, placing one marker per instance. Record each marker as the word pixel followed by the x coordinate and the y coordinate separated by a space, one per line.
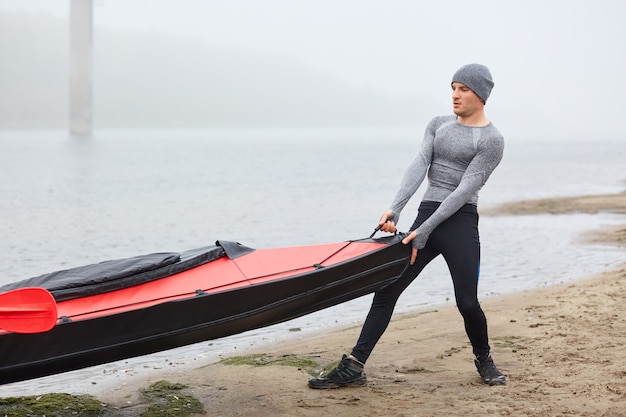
pixel 73 201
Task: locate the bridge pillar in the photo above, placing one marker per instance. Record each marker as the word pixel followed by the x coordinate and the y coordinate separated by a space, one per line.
pixel 81 46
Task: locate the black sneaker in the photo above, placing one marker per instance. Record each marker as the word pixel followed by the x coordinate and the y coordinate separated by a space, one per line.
pixel 349 373
pixel 488 371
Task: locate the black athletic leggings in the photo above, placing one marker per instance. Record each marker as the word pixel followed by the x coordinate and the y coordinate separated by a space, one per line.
pixel 457 240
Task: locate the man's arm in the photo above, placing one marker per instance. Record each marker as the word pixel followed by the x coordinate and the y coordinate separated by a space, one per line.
pixel 412 179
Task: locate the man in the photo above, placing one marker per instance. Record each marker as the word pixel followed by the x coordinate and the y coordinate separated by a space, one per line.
pixel 458 153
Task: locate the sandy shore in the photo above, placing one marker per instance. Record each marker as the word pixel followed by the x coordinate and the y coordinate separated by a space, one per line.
pixel 563 349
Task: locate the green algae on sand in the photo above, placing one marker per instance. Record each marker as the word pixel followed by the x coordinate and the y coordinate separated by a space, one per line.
pixel 53 404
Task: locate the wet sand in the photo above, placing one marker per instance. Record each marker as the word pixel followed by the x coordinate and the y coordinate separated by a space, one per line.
pixel 562 348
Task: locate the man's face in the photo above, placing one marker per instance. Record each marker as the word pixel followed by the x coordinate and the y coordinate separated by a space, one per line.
pixel 464 101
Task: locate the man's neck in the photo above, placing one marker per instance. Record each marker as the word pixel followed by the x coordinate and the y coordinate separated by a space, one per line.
pixel 477 119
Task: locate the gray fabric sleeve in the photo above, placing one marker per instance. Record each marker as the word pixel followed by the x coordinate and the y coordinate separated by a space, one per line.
pixel 415 174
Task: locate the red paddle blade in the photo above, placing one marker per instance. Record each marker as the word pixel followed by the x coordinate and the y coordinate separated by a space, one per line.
pixel 27 310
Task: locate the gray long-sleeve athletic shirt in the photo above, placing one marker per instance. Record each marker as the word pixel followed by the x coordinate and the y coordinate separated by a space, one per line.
pixel 458 159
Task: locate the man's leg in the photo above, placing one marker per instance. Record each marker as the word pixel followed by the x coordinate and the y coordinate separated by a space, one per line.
pixel 349 372
pixel 384 303
pixel 459 242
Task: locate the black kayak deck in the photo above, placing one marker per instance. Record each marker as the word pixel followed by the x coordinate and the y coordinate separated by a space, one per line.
pixel 116 274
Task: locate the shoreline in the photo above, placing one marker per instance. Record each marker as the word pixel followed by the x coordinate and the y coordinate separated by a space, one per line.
pixel 561 347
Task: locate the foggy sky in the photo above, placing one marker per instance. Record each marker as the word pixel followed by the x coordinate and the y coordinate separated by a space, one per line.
pixel 557 64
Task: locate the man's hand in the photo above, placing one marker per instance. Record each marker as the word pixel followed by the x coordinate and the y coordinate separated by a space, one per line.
pixel 408 240
pixel 386 223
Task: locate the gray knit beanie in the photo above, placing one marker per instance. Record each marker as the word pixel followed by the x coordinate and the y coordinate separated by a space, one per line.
pixel 477 77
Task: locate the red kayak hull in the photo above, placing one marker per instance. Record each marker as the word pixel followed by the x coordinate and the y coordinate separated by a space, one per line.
pixel 218 298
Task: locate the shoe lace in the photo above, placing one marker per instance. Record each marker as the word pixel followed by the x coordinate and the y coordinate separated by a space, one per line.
pixel 343 370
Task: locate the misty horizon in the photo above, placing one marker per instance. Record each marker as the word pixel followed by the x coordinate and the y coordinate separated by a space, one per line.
pixel 243 64
pixel 206 86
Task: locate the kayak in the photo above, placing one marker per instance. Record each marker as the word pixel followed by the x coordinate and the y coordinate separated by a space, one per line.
pixel 118 309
